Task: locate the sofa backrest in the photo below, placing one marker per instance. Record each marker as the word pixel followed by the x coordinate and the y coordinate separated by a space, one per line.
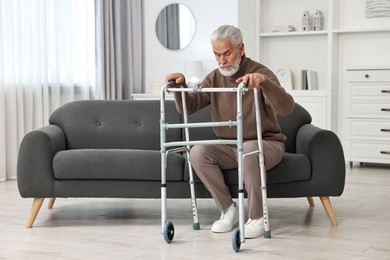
pixel 114 124
pixel 291 123
pixel 135 124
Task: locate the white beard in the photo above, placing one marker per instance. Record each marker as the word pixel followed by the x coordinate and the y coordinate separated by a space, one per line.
pixel 235 68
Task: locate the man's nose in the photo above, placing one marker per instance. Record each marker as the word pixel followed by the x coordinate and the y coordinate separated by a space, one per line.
pixel 222 59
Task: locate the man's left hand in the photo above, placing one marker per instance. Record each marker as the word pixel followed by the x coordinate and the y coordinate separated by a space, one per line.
pixel 252 80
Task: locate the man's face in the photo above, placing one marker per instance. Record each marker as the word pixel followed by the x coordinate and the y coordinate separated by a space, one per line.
pixel 227 56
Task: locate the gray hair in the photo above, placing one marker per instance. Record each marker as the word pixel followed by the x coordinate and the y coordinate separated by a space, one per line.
pixel 227 32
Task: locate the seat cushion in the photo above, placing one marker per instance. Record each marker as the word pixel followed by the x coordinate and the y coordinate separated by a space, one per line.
pixel 115 164
pixel 293 167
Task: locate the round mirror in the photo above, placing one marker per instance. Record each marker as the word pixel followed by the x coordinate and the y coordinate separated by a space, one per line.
pixel 175 26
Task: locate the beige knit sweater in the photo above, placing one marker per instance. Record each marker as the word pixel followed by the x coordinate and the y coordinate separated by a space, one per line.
pixel 273 100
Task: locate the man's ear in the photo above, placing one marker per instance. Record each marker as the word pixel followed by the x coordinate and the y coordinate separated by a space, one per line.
pixel 242 49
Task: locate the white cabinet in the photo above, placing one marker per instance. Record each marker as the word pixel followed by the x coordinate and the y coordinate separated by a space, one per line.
pixel 151 96
pixel 315 104
pixel 367 115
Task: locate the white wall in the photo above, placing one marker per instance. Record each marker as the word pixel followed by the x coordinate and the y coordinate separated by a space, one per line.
pixel 247 25
pixel 352 15
pixel 208 15
pixel 362 49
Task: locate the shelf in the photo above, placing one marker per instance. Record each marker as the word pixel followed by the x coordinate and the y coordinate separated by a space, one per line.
pixel 346 32
pixel 308 93
pixel 293 33
pixel 362 30
pixel 377 67
pixel 324 32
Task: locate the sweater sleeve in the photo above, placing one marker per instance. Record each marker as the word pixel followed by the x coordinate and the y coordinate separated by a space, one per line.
pixel 194 101
pixel 275 95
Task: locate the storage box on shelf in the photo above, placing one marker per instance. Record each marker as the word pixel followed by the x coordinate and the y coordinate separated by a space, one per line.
pixel 367 115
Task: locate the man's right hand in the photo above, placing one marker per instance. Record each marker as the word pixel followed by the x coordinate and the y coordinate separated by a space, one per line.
pixel 177 77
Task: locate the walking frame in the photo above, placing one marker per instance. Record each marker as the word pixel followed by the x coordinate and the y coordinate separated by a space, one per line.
pixel 167 227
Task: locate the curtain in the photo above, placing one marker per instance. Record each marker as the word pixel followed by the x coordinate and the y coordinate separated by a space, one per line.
pixel 47 58
pixel 119 45
pixel 168 27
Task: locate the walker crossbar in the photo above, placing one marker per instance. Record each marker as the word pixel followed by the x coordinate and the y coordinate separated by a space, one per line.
pixel 217 141
pixel 200 125
pixel 202 89
pixel 176 150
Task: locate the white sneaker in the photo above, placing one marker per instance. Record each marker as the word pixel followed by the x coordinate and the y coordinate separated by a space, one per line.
pixel 229 217
pixel 254 228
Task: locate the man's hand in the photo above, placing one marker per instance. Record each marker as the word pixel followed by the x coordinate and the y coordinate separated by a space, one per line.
pixel 177 77
pixel 252 80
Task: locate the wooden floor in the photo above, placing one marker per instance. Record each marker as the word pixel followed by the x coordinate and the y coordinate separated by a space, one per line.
pixel 130 228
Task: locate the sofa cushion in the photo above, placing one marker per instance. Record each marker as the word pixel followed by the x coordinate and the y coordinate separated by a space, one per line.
pixel 115 164
pixel 285 171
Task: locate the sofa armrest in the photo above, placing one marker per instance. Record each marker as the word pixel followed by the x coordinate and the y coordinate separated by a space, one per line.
pixel 326 154
pixel 35 161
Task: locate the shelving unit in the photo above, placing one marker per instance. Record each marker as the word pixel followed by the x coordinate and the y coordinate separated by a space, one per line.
pixel 328 52
pixel 300 50
pixel 348 40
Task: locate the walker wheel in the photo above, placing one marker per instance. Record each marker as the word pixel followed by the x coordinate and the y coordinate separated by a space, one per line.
pixel 236 242
pixel 169 231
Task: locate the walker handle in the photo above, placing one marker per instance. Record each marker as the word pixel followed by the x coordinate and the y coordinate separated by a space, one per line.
pixel 173 84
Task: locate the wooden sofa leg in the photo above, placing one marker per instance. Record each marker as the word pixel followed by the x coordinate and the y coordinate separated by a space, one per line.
pixel 311 201
pixel 34 211
pixel 329 210
pixel 51 203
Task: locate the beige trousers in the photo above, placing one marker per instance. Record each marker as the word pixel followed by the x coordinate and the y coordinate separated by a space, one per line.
pixel 208 160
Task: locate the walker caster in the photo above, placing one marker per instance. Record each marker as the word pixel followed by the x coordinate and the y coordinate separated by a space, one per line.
pixel 236 242
pixel 169 231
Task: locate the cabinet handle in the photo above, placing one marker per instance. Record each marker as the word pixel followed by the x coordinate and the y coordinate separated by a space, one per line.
pixel 386 91
pixel 385 152
pixel 385 130
pixel 366 76
pixel 385 109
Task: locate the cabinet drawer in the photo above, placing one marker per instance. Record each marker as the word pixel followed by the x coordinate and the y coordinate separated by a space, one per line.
pixel 370 110
pixel 368 129
pixel 377 91
pixel 370 152
pixel 368 75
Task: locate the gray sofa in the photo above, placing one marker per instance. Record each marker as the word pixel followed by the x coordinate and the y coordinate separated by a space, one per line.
pixel 111 149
